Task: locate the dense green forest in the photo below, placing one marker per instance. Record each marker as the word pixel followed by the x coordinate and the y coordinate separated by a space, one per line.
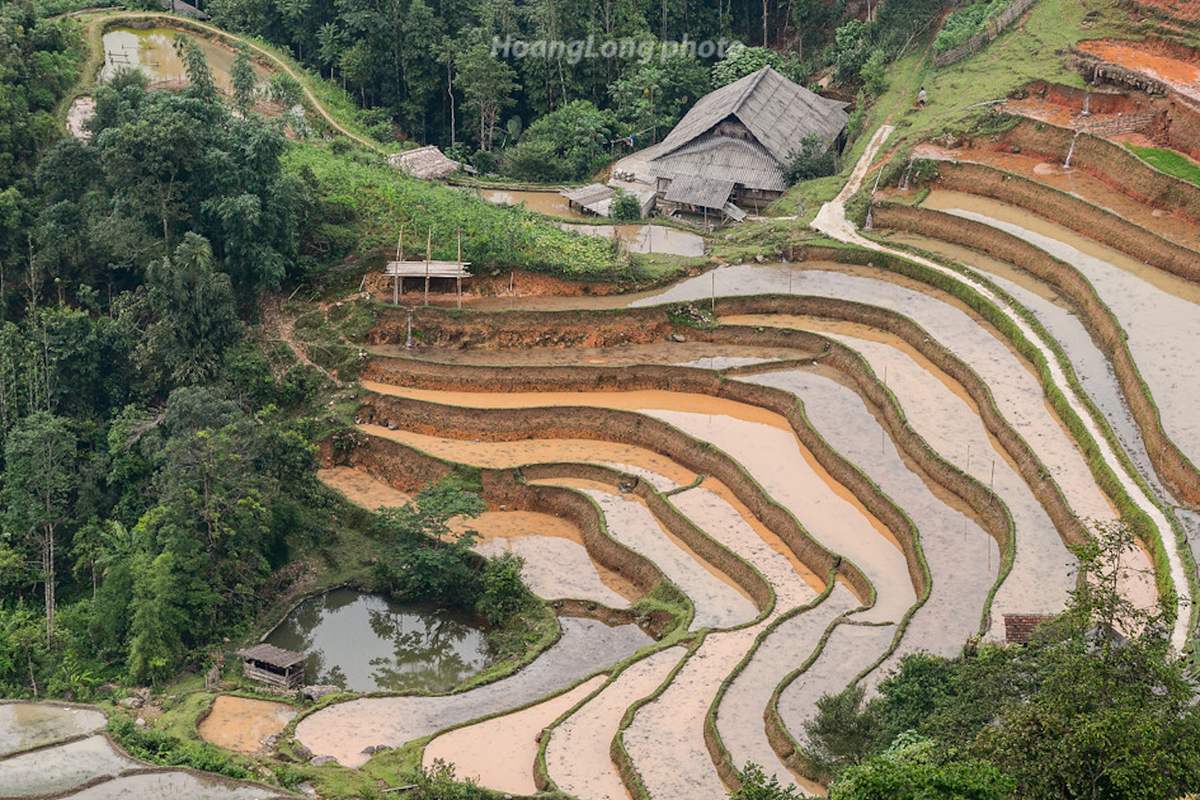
pixel 429 72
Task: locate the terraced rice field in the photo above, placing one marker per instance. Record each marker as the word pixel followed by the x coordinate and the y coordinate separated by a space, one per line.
pixel 61 751
pixel 859 458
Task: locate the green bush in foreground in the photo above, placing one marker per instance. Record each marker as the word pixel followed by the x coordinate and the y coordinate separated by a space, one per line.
pixel 380 201
pixel 966 22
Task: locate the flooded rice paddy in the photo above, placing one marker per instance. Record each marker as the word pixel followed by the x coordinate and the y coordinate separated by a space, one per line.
pixel 577 757
pixel 557 564
pixel 361 489
pixel 719 602
pixel 506 764
pixel 24 726
pixel 244 724
pixel 645 239
pixel 345 730
pixel 152 51
pixel 59 769
pixel 765 444
pixel 951 537
pixel 177 785
pixel 366 643
pixel 943 414
pixel 548 202
pixel 785 647
pixel 1159 312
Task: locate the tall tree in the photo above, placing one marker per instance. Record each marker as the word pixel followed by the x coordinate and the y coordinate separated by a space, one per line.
pixel 488 85
pixel 243 79
pixel 39 479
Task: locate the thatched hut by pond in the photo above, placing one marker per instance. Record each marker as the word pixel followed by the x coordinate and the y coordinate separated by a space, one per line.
pixel 267 663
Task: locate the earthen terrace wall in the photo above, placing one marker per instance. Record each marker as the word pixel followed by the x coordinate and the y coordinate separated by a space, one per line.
pixel 1173 467
pixel 1072 212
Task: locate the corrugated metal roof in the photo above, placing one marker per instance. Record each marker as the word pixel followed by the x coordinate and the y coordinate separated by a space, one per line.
pixel 722 158
pixel 270 654
pixel 588 194
pixel 777 112
pixel 696 190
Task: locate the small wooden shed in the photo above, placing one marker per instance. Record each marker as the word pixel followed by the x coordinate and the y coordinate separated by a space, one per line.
pixel 274 665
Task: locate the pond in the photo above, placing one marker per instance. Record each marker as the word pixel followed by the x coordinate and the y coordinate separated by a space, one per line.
pixel 152 50
pixel 550 203
pixel 366 643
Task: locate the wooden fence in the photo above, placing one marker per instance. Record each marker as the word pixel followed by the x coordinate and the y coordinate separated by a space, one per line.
pixel 993 28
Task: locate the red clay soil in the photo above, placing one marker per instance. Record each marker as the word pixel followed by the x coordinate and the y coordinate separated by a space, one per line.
pixel 1167 223
pixel 509 283
pixel 1172 65
pixel 1186 11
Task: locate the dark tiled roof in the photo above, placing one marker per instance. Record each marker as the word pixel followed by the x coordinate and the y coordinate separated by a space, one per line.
pixel 776 111
pixel 1018 628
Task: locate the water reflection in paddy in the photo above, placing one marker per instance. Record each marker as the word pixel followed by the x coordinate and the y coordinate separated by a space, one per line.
pixel 645 238
pixel 366 642
pixel 152 50
pixel 550 203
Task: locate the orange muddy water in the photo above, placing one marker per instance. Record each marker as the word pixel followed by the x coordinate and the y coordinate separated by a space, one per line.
pixel 1171 224
pixel 663 473
pixel 243 724
pixel 718 600
pixel 362 489
pixel 577 757
pixel 499 753
pixel 764 443
pixel 939 409
pixel 557 564
pixel 550 203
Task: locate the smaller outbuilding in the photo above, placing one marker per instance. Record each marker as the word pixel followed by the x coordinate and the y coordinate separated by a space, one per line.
pixel 428 163
pixel 267 663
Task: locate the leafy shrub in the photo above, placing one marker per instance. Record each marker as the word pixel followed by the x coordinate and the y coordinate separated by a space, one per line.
pixel 625 207
pixel 503 594
pixel 162 748
pixel 852 46
pixel 284 89
pixel 966 22
pixel 567 144
pixel 815 159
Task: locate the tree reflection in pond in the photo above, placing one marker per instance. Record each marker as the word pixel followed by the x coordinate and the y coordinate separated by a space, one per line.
pixel 365 642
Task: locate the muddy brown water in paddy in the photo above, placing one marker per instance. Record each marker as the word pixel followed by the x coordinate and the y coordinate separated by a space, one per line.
pixel 499 753
pixel 24 726
pixel 719 602
pixel 174 785
pixel 550 203
pixel 366 643
pixel 645 239
pixel 152 51
pixel 242 723
pixel 951 536
pixel 1159 311
pixel 58 769
pixel 343 730
pixel 660 471
pixel 557 564
pixel 1170 224
pixel 1017 390
pixel 765 444
pixel 786 647
pixel 941 412
pixel 577 757
pixel 362 489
